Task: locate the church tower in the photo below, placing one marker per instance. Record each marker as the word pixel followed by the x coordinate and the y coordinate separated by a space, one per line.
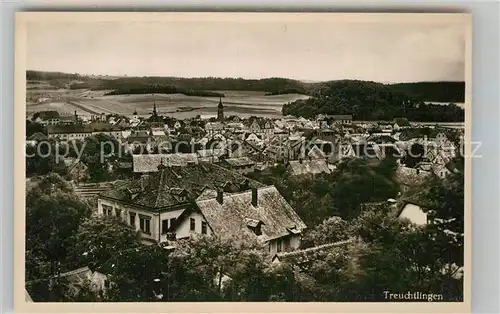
pixel 155 114
pixel 220 111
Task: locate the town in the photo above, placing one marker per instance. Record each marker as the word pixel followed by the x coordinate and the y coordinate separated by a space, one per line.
pixel 226 158
pixel 221 207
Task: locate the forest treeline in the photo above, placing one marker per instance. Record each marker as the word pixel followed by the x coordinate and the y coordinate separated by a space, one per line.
pixel 205 86
pixel 372 101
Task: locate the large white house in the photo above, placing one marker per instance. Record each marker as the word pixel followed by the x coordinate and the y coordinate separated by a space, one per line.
pixel 204 199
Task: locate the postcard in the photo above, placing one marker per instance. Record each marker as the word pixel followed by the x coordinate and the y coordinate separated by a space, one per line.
pixel 242 162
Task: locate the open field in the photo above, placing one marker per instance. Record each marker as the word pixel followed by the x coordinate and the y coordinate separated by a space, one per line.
pixel 86 102
pixel 460 104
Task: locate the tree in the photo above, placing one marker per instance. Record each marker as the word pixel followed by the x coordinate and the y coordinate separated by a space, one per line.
pixel 53 214
pixel 401 256
pixel 137 274
pixel 40 159
pixel 203 269
pixel 331 230
pixel 98 239
pixel 415 154
pixel 99 150
pixel 34 127
pixel 358 181
pixel 443 200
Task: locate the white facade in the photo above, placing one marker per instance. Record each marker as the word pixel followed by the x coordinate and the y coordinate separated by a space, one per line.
pixel 414 213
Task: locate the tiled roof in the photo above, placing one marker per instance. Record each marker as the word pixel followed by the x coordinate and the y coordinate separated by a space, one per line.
pixel 364 150
pixel 158 133
pixel 71 162
pixel 67 129
pixel 303 256
pixel 381 139
pixel 402 121
pixel 67 118
pixel 314 166
pixel 157 190
pixel 214 126
pixel 38 136
pixel 204 153
pixel 239 162
pixel 150 162
pixel 104 127
pixel 340 117
pixel 316 152
pixel 49 114
pixel 411 176
pixel 232 216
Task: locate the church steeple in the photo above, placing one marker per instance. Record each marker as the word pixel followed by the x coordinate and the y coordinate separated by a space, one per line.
pixel 220 111
pixel 161 166
pixel 154 109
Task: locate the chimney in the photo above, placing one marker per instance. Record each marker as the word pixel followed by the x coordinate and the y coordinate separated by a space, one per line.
pixel 144 178
pixel 220 196
pixel 254 197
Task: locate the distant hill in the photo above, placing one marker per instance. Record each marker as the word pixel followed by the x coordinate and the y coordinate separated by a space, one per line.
pixel 433 91
pixel 42 76
pixel 362 98
pixel 372 101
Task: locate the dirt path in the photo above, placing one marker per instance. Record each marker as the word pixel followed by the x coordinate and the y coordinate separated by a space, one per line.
pixel 82 107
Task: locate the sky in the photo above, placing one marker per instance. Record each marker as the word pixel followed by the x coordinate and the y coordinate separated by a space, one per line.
pixel 304 50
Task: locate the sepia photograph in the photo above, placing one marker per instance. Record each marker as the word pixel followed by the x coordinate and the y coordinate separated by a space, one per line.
pixel 243 157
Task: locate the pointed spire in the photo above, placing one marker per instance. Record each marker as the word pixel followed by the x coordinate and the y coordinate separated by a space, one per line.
pixel 161 166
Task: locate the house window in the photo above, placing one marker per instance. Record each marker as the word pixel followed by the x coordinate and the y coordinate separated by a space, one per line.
pixel 258 229
pixel 164 226
pixel 132 219
pixel 286 244
pixel 279 246
pixel 118 212
pixel 204 227
pixel 107 210
pixel 192 224
pixel 145 224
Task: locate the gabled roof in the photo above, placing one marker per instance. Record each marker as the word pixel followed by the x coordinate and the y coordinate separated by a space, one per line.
pixel 411 176
pixel 214 126
pixel 316 153
pixel 402 122
pixel 314 166
pixel 157 190
pixel 364 150
pixel 306 255
pixel 260 122
pixel 339 116
pixel 204 153
pixel 38 136
pixel 379 139
pixel 231 218
pixel 68 129
pixel 149 162
pixel 104 127
pixel 49 114
pixel 239 162
pixel 67 118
